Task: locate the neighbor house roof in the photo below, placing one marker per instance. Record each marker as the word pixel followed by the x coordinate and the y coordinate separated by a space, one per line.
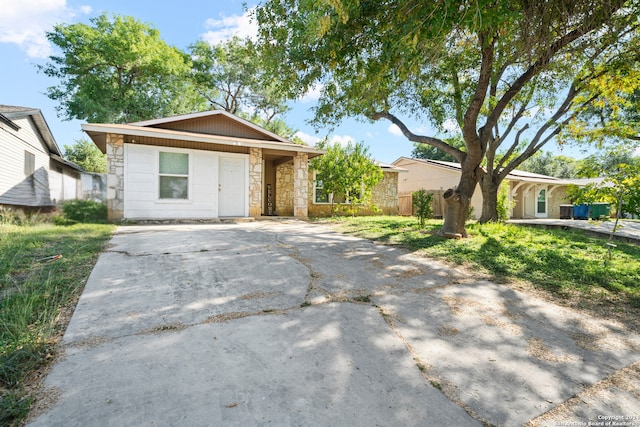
pixel 515 175
pixel 148 129
pixel 390 168
pixel 12 112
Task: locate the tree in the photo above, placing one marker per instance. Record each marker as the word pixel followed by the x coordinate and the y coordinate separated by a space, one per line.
pixel 231 76
pixel 118 70
pixel 545 163
pixel 425 151
pixel 347 174
pixel 86 155
pixel 501 70
pixel 620 186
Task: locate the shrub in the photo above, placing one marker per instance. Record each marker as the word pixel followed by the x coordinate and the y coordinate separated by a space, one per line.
pixel 504 205
pixel 421 201
pixel 86 211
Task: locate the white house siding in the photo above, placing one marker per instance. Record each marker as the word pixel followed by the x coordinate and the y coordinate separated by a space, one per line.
pixel 141 187
pixel 15 188
pixel 63 186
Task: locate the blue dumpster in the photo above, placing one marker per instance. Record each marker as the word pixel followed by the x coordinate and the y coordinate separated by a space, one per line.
pixel 581 211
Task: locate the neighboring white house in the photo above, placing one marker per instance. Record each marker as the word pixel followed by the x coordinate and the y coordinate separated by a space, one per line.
pixel 33 173
pixel 535 195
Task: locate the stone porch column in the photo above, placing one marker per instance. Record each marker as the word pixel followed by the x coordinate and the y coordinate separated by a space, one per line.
pixel 255 182
pixel 301 185
pixel 115 177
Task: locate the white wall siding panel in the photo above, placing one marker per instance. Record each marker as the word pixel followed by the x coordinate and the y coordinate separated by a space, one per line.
pixel 15 187
pixel 141 189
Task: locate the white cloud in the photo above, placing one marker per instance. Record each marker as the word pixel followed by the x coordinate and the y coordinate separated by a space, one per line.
pixel 342 140
pixel 25 23
pixel 313 94
pixel 451 125
pixel 309 139
pixel 394 130
pixel 228 26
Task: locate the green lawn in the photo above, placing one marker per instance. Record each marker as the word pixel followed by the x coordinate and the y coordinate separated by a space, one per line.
pixel 43 269
pixel 563 262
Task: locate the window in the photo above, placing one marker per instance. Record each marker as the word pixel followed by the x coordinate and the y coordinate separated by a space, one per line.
pixel 319 195
pixel 29 163
pixel 542 202
pixel 174 175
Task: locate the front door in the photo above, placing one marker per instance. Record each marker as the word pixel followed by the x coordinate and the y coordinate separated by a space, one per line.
pixel 232 186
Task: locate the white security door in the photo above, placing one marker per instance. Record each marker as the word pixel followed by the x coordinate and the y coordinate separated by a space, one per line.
pixel 232 187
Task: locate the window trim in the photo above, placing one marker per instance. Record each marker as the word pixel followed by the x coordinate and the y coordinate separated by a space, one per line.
pixel 188 176
pixel 29 163
pixel 538 201
pixel 321 188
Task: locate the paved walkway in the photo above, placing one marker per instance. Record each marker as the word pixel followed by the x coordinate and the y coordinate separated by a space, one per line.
pixel 291 324
pixel 627 230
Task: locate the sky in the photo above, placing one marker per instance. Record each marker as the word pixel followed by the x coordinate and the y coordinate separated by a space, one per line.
pixel 23 46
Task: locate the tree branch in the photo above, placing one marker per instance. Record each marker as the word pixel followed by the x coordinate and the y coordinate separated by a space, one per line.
pixel 434 142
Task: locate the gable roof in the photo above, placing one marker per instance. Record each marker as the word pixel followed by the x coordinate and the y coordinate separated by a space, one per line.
pixel 203 127
pixel 12 112
pixel 166 123
pixel 515 175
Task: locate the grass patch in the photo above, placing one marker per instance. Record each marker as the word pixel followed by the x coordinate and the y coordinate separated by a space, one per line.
pixel 563 262
pixel 43 269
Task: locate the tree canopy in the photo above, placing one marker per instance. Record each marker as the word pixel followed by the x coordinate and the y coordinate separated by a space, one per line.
pixel 231 77
pixel 620 184
pixel 347 174
pixel 86 155
pixel 118 70
pixel 545 163
pixel 511 74
pixel 426 151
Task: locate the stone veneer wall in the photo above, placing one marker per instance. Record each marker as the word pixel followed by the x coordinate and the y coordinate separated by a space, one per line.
pixel 284 189
pixel 115 177
pixel 385 193
pixel 301 185
pixel 384 197
pixel 255 182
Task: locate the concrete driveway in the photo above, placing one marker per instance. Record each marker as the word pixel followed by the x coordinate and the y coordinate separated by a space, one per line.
pixel 289 323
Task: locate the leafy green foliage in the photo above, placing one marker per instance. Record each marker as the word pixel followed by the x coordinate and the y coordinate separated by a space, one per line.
pixel 86 155
pixel 504 205
pixel 347 173
pixel 425 151
pixel 231 76
pixel 85 211
pixel 545 163
pixel 620 185
pixel 421 201
pixel 35 289
pixel 511 74
pixel 118 70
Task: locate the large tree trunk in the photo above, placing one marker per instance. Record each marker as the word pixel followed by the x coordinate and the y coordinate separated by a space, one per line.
pixel 457 201
pixel 489 187
pixel 455 215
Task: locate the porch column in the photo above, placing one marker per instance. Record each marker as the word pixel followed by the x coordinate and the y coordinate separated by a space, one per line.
pixel 255 182
pixel 115 177
pixel 301 185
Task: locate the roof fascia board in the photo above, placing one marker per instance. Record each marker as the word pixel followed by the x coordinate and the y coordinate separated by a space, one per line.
pixel 184 136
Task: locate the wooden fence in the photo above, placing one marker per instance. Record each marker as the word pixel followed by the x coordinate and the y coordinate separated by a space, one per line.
pixel 405 203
